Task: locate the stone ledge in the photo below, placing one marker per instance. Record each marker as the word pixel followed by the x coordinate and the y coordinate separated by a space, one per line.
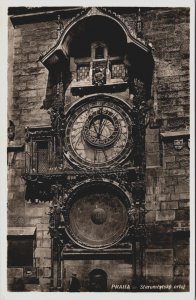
pixel 174 134
pixel 15 148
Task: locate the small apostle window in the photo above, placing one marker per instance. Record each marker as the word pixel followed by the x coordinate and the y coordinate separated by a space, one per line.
pixel 99 52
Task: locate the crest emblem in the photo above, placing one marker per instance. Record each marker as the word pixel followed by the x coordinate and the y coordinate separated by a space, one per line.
pixel 178 144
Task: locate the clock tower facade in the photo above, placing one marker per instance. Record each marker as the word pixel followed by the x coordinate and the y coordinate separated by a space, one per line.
pixel 99 118
pixel 90 166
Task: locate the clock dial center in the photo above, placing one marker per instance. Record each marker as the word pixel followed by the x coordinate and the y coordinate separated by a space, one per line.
pixel 98 216
pixel 101 130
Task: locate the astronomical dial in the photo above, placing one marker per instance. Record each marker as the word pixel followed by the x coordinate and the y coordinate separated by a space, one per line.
pixel 97 217
pixel 98 133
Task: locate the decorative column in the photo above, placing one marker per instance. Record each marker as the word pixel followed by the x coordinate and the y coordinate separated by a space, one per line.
pixel 55 223
pixel 137 211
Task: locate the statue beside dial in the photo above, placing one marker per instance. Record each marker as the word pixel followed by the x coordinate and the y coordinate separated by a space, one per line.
pixel 98 132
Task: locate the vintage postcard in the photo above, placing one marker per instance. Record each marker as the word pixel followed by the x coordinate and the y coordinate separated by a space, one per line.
pixel 99 139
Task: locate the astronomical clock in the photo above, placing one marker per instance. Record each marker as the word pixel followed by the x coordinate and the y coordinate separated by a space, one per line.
pixel 90 161
pixel 99 132
pixel 98 137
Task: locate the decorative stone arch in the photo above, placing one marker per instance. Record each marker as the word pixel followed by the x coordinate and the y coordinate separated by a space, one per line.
pixel 136 54
pixel 60 50
pixel 98 280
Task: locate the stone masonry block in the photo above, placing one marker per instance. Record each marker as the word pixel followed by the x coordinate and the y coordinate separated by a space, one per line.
pixel 181 270
pixel 167 189
pixel 184 204
pixel 150 216
pixel 149 190
pixel 182 254
pixel 150 198
pixel 46 234
pixel 170 158
pixel 46 272
pixel 163 197
pixel 14 272
pixel 42 227
pixel 165 215
pixel 169 205
pixel 184 164
pixel 183 188
pixel 45 262
pixel 156 270
pixel 32 220
pixel 182 214
pixel 159 256
pixel 152 205
pixel 45 283
pixel 151 138
pixel 46 243
pixel 184 196
pixel 175 196
pixel 172 165
pixel 28 93
pixel 42 252
pixel 177 172
pixel 152 147
pixel 152 159
pixel 171 181
pixel 34 211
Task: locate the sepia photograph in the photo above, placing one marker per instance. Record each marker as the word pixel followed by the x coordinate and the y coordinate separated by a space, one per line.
pixel 98 149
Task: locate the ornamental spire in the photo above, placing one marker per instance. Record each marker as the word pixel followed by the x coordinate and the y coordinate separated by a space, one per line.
pixel 139 26
pixel 60 26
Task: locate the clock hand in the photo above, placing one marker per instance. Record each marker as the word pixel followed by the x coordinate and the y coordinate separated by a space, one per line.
pixel 103 125
pixel 101 118
pixel 95 129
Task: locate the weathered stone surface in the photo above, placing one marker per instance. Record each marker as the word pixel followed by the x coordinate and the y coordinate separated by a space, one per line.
pixel 42 252
pixel 15 272
pixel 181 271
pixel 46 272
pixel 184 204
pixel 182 214
pixel 119 271
pixel 165 215
pixel 169 205
pixel 159 263
pixel 150 216
pixel 182 254
pixel 159 256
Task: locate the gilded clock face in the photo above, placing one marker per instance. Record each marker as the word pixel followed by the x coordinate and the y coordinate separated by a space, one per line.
pixel 97 217
pixel 98 133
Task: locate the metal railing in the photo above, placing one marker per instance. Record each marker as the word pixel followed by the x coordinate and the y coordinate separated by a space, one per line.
pixel 40 162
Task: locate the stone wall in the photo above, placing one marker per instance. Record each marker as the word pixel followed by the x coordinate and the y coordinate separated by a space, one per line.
pixel 167 183
pixel 119 272
pixel 167 205
pixel 168 30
